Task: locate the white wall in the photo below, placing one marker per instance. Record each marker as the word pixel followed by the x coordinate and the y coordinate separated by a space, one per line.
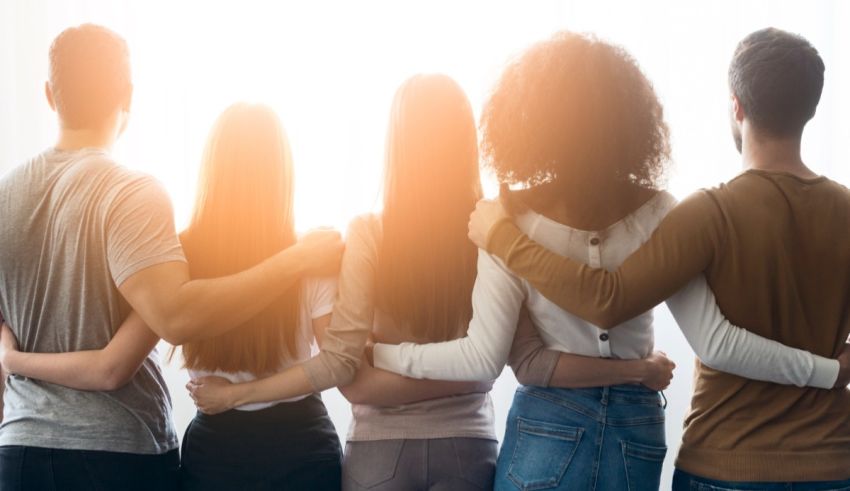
pixel 330 69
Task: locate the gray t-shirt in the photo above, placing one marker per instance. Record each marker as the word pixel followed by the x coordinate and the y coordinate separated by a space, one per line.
pixel 73 226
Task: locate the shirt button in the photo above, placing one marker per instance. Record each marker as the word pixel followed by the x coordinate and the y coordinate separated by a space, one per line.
pixel 603 336
pixel 594 241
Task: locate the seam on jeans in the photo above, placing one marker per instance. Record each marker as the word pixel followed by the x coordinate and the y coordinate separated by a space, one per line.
pixel 461 468
pixel 21 468
pixel 600 440
pixel 51 472
pixel 552 482
pixel 648 420
pixel 427 464
pixel 563 403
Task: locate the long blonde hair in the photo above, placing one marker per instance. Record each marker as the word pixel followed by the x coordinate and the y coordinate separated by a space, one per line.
pixel 244 214
pixel 426 265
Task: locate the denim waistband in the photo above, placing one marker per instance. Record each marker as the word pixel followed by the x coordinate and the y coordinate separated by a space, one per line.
pixel 615 394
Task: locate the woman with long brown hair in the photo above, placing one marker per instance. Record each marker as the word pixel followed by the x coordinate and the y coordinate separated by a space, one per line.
pixel 407 276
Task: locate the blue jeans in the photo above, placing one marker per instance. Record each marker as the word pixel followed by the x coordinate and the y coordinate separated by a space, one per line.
pixel 682 481
pixel 608 438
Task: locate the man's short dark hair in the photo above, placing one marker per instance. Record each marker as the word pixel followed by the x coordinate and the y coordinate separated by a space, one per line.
pixel 778 79
pixel 89 75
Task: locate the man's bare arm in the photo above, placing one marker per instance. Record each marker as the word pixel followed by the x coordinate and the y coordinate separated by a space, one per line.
pixel 179 309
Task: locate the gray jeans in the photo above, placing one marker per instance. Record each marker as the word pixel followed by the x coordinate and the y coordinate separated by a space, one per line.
pixel 440 464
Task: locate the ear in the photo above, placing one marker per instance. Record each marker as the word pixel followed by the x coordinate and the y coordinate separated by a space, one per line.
pixel 737 109
pixel 48 92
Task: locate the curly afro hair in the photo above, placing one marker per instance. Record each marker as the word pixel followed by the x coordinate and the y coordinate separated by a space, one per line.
pixel 570 102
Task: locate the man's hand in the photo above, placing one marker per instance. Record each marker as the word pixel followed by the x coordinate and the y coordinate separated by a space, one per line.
pixel 659 371
pixel 322 250
pixel 8 345
pixel 844 368
pixel 487 213
pixel 212 395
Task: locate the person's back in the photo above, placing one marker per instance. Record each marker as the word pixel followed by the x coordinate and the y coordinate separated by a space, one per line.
pixel 65 243
pixel 773 244
pixel 795 231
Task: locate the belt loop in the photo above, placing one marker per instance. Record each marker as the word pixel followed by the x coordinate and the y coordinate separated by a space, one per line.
pixel 663 406
pixel 605 394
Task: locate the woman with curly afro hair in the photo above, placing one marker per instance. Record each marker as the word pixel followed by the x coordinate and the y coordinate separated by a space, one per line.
pixel 578 127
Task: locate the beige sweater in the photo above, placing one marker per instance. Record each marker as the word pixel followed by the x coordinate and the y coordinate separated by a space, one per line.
pixel 355 316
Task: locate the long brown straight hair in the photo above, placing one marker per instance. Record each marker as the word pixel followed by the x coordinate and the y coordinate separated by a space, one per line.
pixel 426 264
pixel 244 214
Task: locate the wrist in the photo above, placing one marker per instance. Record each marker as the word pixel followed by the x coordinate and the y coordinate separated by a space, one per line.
pixel 238 395
pixel 637 371
pixel 295 260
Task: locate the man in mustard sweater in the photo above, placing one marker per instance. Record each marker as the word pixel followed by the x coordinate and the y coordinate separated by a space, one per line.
pixel 774 244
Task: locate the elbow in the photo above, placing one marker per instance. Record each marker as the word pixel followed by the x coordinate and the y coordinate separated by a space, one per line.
pixel 712 359
pixel 347 373
pixel 490 372
pixel 353 393
pixel 113 378
pixel 522 376
pixel 174 331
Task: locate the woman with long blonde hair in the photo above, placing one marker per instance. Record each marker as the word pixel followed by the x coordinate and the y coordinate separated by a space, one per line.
pixel 243 214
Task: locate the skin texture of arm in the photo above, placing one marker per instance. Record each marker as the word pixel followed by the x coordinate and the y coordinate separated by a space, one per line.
pixel 681 247
pixel 106 369
pixel 375 387
pixel 721 345
pixel 534 364
pixel 213 395
pixel 179 309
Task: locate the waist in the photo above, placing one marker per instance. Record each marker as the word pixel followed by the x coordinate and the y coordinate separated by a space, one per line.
pixel 132 420
pixel 615 394
pixel 242 377
pixel 461 416
pixel 749 430
pixel 282 414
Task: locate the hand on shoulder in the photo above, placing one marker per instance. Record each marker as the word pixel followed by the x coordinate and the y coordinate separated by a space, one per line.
pixel 486 215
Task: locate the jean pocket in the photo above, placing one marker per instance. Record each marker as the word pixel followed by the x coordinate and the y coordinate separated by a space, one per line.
pixel 643 465
pixel 370 463
pixel 542 453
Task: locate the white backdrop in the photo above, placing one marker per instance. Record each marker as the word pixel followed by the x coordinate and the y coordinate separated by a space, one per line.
pixel 330 69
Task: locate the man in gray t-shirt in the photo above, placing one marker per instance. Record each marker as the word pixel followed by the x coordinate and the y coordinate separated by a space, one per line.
pixel 84 224
pixel 83 241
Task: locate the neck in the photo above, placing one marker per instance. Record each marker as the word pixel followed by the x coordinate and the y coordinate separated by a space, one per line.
pixel 75 139
pixel 594 204
pixel 773 154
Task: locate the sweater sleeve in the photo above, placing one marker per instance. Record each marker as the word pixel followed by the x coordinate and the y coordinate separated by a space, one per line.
pixel 530 360
pixel 497 298
pixel 723 346
pixel 344 339
pixel 681 247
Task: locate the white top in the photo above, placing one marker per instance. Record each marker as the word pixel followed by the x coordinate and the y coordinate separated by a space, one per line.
pixel 317 300
pixel 498 296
